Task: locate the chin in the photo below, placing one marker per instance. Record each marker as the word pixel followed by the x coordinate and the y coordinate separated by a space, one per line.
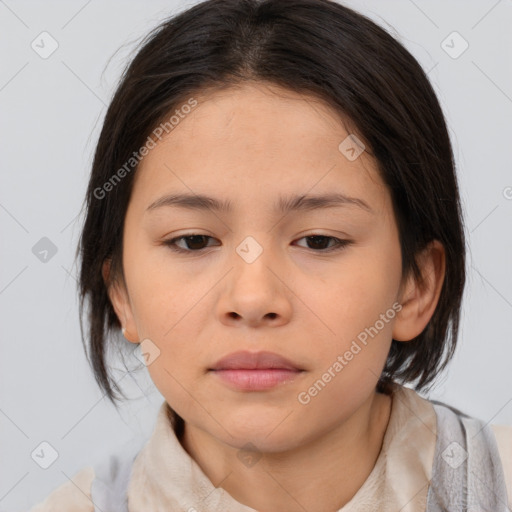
pixel 267 433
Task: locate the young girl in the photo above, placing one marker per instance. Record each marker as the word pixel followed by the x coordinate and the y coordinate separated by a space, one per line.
pixel 273 215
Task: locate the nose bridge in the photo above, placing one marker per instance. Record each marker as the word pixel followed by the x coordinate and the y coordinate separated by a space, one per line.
pixel 255 257
pixel 254 292
pixel 252 247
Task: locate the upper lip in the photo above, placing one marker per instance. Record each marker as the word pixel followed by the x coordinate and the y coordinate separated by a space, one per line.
pixel 244 360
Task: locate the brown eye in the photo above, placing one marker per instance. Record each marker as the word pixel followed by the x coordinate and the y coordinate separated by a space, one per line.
pixel 196 243
pixel 192 242
pixel 320 243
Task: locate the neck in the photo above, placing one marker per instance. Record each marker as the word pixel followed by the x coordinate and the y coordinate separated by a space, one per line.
pixel 323 474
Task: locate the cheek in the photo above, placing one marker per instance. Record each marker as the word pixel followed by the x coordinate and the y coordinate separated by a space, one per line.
pixel 171 308
pixel 169 314
pixel 159 290
pixel 363 286
pixel 357 313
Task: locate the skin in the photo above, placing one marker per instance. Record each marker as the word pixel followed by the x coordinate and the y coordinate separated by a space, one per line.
pixel 250 145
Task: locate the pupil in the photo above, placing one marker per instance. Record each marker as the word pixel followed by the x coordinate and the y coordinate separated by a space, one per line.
pixel 314 242
pixel 316 239
pixel 194 238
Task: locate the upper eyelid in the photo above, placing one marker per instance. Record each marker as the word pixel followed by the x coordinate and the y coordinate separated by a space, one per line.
pixel 186 235
pixel 339 241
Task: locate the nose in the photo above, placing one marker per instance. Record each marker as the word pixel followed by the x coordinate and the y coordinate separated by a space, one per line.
pixel 255 294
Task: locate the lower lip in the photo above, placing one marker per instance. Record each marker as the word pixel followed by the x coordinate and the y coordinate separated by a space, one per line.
pixel 256 380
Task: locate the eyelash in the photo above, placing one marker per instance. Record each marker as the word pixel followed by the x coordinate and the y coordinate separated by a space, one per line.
pixel 171 243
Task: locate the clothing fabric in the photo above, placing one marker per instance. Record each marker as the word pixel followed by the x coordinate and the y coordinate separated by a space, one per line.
pixel 430 454
pixel 467 472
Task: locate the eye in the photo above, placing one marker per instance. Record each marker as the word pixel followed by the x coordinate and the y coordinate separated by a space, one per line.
pixel 318 243
pixel 195 243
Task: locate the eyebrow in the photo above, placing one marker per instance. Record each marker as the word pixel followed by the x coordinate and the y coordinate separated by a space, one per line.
pixel 284 204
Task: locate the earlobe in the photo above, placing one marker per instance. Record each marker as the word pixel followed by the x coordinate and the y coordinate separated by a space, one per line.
pixel 118 296
pixel 419 298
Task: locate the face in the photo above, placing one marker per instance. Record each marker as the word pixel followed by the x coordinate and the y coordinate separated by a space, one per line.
pixel 306 283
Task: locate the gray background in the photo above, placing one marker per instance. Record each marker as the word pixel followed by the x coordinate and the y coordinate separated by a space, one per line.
pixel 51 114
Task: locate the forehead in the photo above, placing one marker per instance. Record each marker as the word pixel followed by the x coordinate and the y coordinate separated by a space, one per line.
pixel 256 117
pixel 254 139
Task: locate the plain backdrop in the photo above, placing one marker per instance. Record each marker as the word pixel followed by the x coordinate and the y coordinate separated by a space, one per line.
pixel 51 113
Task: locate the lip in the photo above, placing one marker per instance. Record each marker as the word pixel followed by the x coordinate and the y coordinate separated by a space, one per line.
pixel 245 360
pixel 255 371
pixel 256 380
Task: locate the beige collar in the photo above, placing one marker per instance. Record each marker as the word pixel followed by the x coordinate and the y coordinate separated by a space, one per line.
pixel 165 477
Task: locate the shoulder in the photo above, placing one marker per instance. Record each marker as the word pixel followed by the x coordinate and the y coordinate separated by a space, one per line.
pixel 72 496
pixel 503 435
pixel 496 441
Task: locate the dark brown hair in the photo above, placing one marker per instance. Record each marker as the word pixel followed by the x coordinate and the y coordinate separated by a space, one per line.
pixel 316 47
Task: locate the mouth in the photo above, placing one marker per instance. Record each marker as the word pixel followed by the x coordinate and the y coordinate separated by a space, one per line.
pixel 255 371
pixel 245 360
pixel 256 379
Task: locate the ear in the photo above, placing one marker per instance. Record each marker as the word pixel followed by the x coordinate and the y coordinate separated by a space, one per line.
pixel 120 301
pixel 419 299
